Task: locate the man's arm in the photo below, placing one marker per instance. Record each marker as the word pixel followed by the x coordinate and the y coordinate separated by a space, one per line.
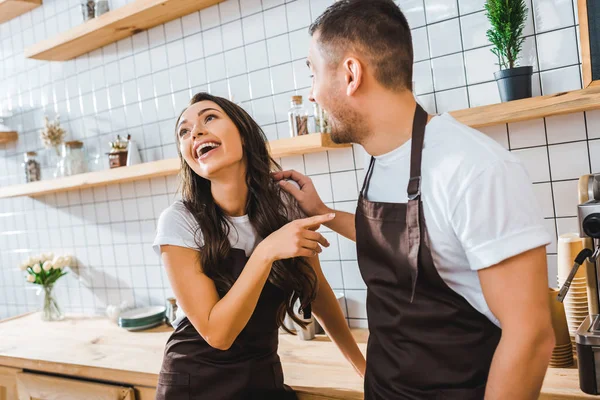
pixel 516 290
pixel 311 204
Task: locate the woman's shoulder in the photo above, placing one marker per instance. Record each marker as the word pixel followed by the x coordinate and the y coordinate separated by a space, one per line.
pixel 177 215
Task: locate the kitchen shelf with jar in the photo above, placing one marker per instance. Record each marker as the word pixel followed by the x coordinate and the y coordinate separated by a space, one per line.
pixel 113 26
pixel 10 9
pixel 8 136
pixel 305 144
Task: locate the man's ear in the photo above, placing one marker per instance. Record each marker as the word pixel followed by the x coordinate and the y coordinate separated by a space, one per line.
pixel 353 71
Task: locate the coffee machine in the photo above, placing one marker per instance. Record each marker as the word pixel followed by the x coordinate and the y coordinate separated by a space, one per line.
pixel 587 337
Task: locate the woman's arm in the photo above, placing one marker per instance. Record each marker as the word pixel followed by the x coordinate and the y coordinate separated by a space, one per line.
pixel 220 320
pixel 327 310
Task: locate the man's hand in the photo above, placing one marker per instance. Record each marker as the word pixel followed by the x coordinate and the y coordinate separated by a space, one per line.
pixel 307 196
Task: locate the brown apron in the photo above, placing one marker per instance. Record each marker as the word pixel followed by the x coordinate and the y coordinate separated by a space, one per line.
pixel 250 369
pixel 426 341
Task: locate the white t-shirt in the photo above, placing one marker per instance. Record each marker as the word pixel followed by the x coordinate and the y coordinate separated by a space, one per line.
pixel 478 201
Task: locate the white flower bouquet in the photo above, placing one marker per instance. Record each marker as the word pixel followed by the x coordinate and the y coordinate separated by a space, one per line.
pixel 45 270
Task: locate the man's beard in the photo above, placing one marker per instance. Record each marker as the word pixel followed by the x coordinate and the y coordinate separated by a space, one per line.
pixel 347 126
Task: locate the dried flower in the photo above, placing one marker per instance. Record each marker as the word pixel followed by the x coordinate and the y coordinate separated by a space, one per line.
pixel 52 135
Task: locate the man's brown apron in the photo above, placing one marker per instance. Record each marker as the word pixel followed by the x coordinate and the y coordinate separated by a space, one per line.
pixel 250 369
pixel 426 341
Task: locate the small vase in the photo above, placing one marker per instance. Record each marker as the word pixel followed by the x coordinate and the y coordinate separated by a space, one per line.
pixel 50 309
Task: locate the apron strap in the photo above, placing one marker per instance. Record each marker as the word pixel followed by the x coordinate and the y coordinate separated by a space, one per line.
pixel 413 209
pixel 365 186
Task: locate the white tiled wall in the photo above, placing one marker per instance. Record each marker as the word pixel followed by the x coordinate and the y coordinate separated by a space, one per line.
pixel 252 51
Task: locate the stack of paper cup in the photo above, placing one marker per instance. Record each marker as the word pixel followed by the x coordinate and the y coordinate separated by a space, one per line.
pixel 576 302
pixel 562 355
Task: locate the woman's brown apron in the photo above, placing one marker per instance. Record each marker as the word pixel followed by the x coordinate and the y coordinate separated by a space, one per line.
pixel 250 369
pixel 426 341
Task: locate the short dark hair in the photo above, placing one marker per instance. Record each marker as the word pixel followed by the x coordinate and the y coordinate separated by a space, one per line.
pixel 375 27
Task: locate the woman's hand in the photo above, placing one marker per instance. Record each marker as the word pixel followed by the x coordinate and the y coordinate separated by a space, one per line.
pixel 296 239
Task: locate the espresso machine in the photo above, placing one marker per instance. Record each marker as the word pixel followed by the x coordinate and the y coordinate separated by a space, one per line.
pixel 587 337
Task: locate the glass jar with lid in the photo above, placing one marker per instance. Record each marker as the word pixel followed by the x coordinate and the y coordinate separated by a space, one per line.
pixel 73 159
pixel 32 167
pixel 298 117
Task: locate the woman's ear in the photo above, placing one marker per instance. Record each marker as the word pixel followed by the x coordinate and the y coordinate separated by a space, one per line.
pixel 353 70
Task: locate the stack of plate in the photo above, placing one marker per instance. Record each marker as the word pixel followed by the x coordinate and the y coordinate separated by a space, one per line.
pixel 562 355
pixel 142 318
pixel 576 302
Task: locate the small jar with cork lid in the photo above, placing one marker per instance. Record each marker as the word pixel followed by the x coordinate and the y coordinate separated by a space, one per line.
pixel 32 167
pixel 298 117
pixel 73 160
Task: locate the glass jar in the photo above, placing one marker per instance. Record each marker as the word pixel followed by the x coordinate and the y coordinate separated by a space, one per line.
pixel 101 7
pixel 32 167
pixel 321 119
pixel 298 117
pixel 73 160
pixel 88 9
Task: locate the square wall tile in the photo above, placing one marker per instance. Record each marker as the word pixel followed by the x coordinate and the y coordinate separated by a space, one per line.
pixel 239 88
pixel 213 41
pixel 420 43
pixel 316 163
pixel 191 24
pixel 275 21
pixel 232 35
pixel 323 187
pixel 450 100
pixel 536 162
pixel 282 77
pixel 565 128
pixel 567 225
pixel 528 55
pixel 173 30
pixel 414 11
pixel 480 65
pixel 256 56
pixel 235 60
pixel 209 17
pixel 448 72
pixel 592 119
pixel 264 112
pixel 543 194
pixel 444 38
pixel 470 6
pixel 483 94
pixel 158 57
pixel 193 47
pixel 260 83
pixel 352 277
pixel 298 14
pixel 253 28
pixel 474 28
pixel 527 133
pixel 557 49
pixel 569 161
pixel 317 7
pixel 551 14
pixel 438 10
pixel 215 68
pixel 356 301
pixel 249 7
pixel 196 72
pixel 422 77
pixel 595 155
pixel 550 225
pixel 279 50
pixel 333 273
pixel 229 10
pixel 341 159
pixel 565 198
pixel 561 80
pixel 344 186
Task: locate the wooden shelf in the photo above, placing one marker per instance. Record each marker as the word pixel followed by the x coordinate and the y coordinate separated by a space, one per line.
pixel 10 9
pixel 279 148
pixel 535 107
pixel 113 26
pixel 7 137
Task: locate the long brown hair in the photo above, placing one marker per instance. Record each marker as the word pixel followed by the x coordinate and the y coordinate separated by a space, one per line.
pixel 266 209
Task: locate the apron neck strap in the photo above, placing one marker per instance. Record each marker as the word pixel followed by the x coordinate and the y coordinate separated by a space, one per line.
pixel 365 186
pixel 416 151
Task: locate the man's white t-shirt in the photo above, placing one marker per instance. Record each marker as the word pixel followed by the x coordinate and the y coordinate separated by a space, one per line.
pixel 478 201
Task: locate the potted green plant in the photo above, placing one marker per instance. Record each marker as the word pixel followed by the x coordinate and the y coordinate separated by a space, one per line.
pixel 507 19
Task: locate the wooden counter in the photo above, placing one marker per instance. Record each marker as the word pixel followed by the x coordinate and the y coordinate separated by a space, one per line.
pixel 95 348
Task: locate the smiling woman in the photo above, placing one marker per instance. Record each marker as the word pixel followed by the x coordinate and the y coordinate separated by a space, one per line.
pixel 236 263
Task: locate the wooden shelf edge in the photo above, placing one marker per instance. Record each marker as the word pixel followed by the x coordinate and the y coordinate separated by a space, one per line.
pixel 113 26
pixel 90 179
pixel 7 137
pixel 312 143
pixel 10 9
pixel 532 108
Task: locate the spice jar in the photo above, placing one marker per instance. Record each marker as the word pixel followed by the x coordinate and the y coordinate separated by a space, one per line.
pixel 88 9
pixel 118 154
pixel 321 119
pixel 73 160
pixel 298 117
pixel 32 167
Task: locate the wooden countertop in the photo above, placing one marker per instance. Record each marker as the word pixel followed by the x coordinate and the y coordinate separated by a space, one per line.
pixel 93 347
